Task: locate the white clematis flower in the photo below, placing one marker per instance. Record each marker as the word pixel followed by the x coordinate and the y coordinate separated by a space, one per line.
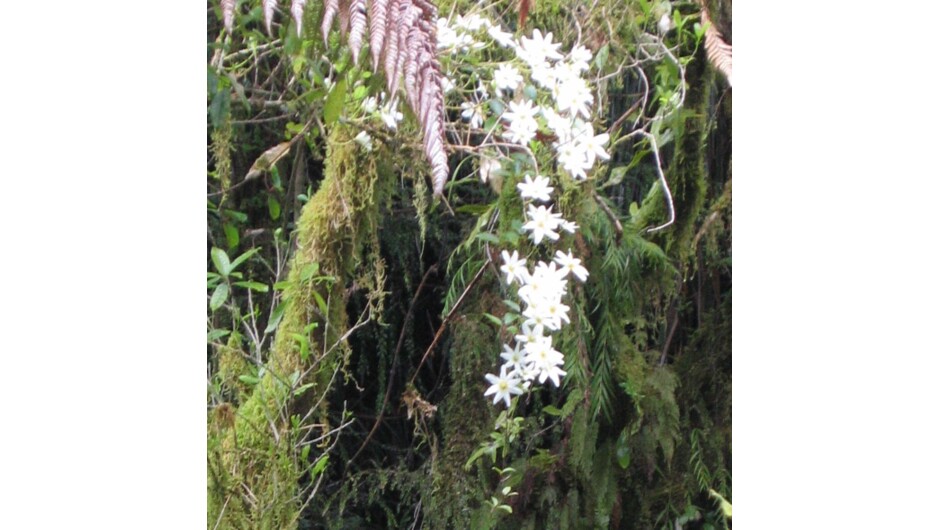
pixel 506 77
pixel 539 47
pixel 514 359
pixel 522 124
pixel 542 223
pixel 514 267
pixel 503 387
pixel 537 189
pixel 472 113
pixel 571 265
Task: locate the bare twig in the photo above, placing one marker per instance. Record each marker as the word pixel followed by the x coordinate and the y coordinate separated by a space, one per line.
pixel 440 330
pixel 613 218
pixel 662 181
pixel 391 373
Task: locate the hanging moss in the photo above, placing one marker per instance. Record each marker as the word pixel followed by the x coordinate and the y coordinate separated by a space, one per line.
pixel 457 495
pixel 254 470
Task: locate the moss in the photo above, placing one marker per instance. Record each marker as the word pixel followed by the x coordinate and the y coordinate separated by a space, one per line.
pixel 457 495
pixel 222 153
pixel 232 364
pixel 686 174
pixel 254 469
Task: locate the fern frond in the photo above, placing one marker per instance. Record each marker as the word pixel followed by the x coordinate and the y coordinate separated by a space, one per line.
pixel 377 27
pixel 330 8
pixel 357 18
pixel 297 11
pixel 717 50
pixel 228 14
pixel 268 7
pixel 344 17
pixel 405 32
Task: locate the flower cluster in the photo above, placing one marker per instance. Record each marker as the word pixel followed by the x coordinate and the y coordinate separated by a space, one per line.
pixel 536 89
pixel 536 93
pixel 542 290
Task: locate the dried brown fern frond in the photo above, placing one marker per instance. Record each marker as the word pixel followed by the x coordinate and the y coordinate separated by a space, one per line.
pixel 330 8
pixel 717 50
pixel 228 14
pixel 268 6
pixel 297 11
pixel 377 23
pixel 404 32
pixel 357 27
pixel 411 44
pixel 344 17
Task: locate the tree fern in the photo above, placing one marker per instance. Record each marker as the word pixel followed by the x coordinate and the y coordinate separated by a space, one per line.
pixel 404 32
pixel 717 50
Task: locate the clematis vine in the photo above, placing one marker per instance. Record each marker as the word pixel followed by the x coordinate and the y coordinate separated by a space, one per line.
pixel 538 94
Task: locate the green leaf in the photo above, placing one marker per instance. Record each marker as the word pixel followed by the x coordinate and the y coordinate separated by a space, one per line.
pixel 551 410
pixel 221 262
pixel 321 303
pixel 304 345
pixel 219 108
pixel 725 505
pixel 482 450
pixel 236 215
pixel 249 379
pixel 319 466
pixel 212 80
pixel 276 317
pixel 240 91
pixel 297 63
pixel 475 209
pixel 512 305
pixel 334 102
pixel 510 237
pixel 241 259
pixel 231 235
pixel 216 334
pixel 616 176
pixel 219 296
pixel 309 271
pixel 617 173
pixel 600 59
pixel 623 450
pixel 254 286
pixel 276 179
pixel 488 237
pixel 497 322
pixel 303 388
pixel 274 208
